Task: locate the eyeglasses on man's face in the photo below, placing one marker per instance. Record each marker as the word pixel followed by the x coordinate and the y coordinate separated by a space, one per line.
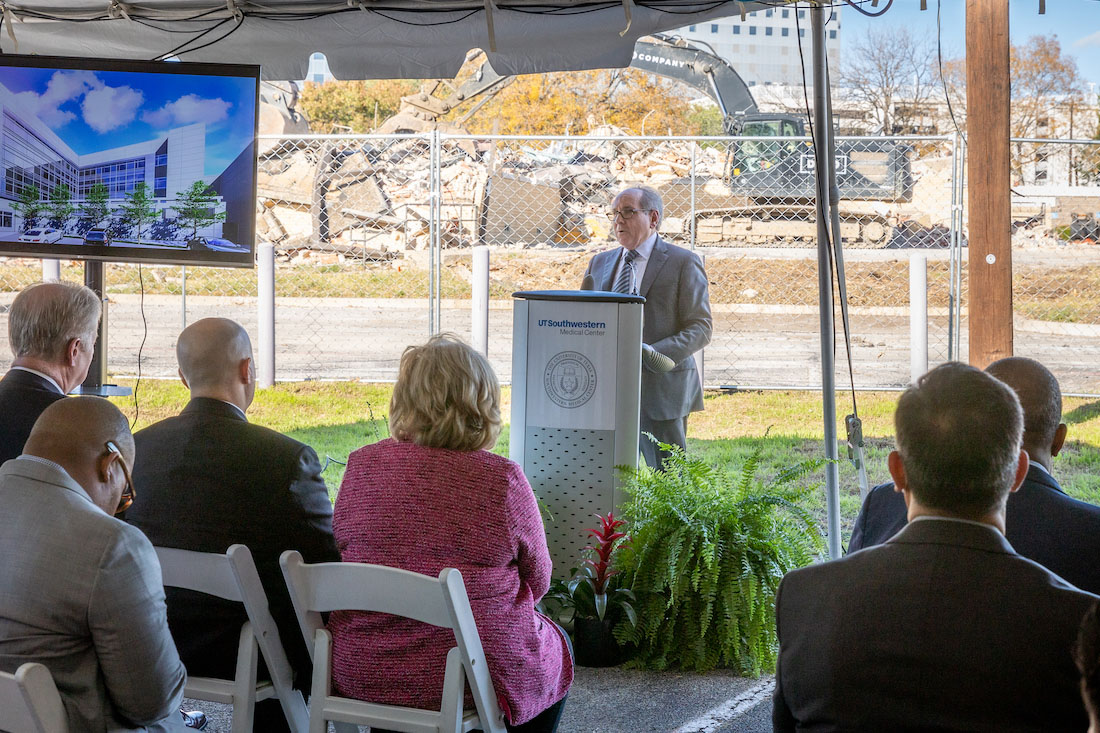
pixel 624 213
pixel 127 498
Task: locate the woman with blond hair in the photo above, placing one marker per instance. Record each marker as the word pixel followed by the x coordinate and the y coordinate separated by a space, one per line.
pixel 431 497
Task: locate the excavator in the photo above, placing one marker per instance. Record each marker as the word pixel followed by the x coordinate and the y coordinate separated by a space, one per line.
pixel 766 196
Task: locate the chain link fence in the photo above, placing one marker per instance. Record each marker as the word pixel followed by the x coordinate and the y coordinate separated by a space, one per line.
pixel 374 234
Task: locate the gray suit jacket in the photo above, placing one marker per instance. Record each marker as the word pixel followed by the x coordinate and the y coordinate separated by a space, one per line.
pixel 943 628
pixel 677 323
pixel 81 593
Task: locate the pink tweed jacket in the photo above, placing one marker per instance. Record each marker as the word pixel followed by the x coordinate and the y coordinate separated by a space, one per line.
pixel 425 509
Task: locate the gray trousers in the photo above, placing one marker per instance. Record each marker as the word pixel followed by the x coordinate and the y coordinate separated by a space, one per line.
pixel 673 432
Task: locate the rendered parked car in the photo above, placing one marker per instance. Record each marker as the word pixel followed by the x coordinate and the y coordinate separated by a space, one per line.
pixel 216 244
pixel 41 234
pixel 98 236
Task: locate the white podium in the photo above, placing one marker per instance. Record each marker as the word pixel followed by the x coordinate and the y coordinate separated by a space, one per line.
pixel 576 381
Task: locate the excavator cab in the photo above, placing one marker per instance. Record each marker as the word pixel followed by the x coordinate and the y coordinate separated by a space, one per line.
pixel 754 155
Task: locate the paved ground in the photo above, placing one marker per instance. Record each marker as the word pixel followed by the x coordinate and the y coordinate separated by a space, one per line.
pixel 629 701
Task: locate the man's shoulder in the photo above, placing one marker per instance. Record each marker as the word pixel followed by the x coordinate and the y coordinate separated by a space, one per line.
pixel 22 387
pixel 1045 495
pixel 205 424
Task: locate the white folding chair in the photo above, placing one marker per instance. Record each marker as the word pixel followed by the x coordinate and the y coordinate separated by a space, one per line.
pixel 30 703
pixel 233 576
pixel 442 601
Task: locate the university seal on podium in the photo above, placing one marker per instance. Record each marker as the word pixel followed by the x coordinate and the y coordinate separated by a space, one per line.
pixel 569 379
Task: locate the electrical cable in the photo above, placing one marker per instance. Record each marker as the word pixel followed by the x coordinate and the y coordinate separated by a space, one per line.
pixel 829 234
pixel 141 347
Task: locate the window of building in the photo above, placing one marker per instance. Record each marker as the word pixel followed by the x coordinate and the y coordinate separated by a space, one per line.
pixel 801 13
pixel 832 15
pixel 801 32
pixel 713 27
pixel 752 30
pixel 832 34
pixel 786 32
pixel 691 29
pixel 768 13
pixel 786 13
pixel 768 31
pixel 162 159
pixel 5 220
pixel 737 30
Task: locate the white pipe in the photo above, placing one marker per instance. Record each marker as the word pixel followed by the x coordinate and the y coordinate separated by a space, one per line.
pixel 265 315
pixel 51 270
pixel 918 316
pixel 479 301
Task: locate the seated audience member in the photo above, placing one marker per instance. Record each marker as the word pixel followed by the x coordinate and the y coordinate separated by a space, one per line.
pixel 1042 523
pixel 944 627
pixel 434 497
pixel 209 479
pixel 52 328
pixel 1088 662
pixel 80 591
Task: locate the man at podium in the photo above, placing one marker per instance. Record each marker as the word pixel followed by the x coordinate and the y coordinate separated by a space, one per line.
pixel 676 315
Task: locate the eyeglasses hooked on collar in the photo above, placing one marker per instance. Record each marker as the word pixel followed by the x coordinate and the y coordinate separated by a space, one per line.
pixel 624 213
pixel 127 499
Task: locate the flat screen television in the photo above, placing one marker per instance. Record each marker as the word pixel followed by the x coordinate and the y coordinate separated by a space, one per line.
pixel 128 161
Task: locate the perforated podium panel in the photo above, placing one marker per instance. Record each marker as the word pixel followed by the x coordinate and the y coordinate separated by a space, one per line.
pixel 576 375
pixel 573 471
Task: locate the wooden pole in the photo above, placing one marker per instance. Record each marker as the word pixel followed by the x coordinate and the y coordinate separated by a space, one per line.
pixel 988 125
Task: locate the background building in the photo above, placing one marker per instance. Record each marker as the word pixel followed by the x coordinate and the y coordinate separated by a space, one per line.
pixel 763 48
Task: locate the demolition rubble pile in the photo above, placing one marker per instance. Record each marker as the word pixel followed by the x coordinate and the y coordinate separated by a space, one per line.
pixel 372 199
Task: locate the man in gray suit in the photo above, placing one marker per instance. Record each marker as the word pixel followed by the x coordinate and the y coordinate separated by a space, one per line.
pixel 80 591
pixel 944 627
pixel 676 314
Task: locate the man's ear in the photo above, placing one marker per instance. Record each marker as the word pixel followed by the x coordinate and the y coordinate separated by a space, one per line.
pixel 244 370
pixel 72 351
pixel 1059 439
pixel 897 471
pixel 183 378
pixel 103 466
pixel 1023 463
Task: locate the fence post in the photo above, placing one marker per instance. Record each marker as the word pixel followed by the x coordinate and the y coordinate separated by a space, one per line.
pixel 265 316
pixel 51 270
pixel 479 301
pixel 918 315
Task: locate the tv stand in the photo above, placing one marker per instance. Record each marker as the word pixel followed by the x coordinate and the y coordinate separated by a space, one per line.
pixel 95 383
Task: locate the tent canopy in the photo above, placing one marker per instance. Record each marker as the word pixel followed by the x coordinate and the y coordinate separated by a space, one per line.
pixel 362 39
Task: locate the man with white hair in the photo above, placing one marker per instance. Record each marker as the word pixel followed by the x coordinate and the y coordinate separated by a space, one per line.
pixel 52 328
pixel 676 314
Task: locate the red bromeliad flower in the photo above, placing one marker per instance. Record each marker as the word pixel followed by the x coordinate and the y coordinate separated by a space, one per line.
pixel 599 567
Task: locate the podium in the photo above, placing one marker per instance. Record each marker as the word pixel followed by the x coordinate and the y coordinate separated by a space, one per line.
pixel 576 381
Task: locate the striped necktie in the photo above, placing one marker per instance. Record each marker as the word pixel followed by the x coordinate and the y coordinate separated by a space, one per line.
pixel 624 281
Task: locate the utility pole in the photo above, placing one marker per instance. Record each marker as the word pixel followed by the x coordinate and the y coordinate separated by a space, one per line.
pixel 988 104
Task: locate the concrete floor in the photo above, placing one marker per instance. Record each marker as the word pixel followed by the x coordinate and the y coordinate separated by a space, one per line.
pixel 615 700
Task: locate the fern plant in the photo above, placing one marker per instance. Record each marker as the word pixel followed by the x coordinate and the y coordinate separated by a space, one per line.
pixel 709 549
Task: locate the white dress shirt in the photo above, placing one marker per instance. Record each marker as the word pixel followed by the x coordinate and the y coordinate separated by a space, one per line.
pixel 644 251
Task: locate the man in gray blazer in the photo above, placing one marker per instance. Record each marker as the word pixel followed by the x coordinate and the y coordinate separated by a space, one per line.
pixel 944 627
pixel 676 313
pixel 80 591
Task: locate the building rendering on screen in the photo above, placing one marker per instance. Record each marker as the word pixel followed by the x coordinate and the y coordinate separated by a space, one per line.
pixel 31 153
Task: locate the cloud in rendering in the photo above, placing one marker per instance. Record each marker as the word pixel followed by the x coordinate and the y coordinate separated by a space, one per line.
pixel 108 108
pixel 62 88
pixel 187 110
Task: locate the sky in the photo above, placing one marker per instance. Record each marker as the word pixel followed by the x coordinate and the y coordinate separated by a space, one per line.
pixel 1075 22
pixel 98 110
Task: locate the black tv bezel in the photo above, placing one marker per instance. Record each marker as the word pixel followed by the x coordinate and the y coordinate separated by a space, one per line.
pixel 204 258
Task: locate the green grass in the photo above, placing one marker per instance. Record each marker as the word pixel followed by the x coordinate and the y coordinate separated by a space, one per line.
pixel 338 417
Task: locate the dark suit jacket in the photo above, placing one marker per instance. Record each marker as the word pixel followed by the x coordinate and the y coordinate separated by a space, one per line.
pixel 1042 523
pixel 207 479
pixel 23 397
pixel 677 323
pixel 943 628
